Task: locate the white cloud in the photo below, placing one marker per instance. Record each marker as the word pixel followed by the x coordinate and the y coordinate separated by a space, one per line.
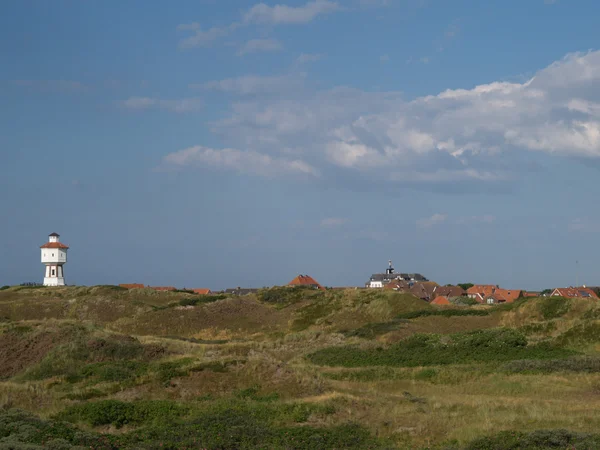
pixel 333 222
pixel 254 84
pixel 429 222
pixel 474 135
pixel 179 106
pixel 260 45
pixel 240 161
pixel 203 38
pixel 283 14
pixel 259 14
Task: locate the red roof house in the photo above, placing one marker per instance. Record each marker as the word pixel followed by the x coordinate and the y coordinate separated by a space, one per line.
pixel 305 280
pixel 201 291
pixel 132 286
pixel 574 292
pixel 441 300
pixel 163 288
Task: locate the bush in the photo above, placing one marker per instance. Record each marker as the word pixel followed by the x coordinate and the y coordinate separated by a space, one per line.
pixel 554 307
pixel 444 313
pixel 541 439
pixel 287 294
pixel 201 299
pixel 117 413
pixel 585 364
pixel 3 288
pixel 426 350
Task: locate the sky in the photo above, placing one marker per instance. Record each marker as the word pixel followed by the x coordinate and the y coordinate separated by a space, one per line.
pixel 204 143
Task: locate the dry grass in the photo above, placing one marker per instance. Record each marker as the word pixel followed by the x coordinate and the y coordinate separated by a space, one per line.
pixel 239 343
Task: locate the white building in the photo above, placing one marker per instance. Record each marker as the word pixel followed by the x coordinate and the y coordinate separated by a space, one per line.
pixel 54 256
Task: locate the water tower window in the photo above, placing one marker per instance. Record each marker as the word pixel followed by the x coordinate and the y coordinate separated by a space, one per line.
pixel 52 272
pixel 52 254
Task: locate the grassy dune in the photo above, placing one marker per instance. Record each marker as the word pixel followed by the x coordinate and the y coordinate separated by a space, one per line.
pixel 104 367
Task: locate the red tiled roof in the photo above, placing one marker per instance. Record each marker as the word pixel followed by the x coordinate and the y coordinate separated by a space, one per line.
pixel 163 288
pixel 449 291
pixel 574 292
pixel 132 286
pixel 441 300
pixel 305 280
pixel 483 289
pixel 201 291
pixel 54 245
pixel 505 295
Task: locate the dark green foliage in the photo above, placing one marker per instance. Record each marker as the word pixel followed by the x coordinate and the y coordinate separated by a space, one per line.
pixel 172 369
pixel 536 440
pixel 309 314
pixel 586 364
pixel 584 333
pixel 227 425
pixel 3 288
pixel 463 301
pixel 372 330
pixel 251 393
pixel 287 294
pixel 426 374
pixel 200 299
pixel 554 307
pixel 428 349
pixel 538 328
pixel 465 286
pixel 114 358
pixel 117 413
pixel 444 313
pixel 112 287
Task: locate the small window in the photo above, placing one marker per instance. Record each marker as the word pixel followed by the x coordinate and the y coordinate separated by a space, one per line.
pixel 52 254
pixel 52 272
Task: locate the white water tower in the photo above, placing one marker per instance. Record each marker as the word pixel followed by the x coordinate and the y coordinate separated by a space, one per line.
pixel 54 256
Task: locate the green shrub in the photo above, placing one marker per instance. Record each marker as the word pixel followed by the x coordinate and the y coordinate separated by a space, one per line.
pixel 117 413
pixel 372 330
pixel 309 314
pixel 586 364
pixel 287 294
pixel 201 299
pixel 443 313
pixel 584 333
pixel 172 369
pixel 536 440
pixel 3 288
pixel 554 307
pixel 429 349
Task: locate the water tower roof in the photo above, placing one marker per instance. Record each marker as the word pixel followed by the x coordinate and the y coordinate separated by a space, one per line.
pixel 54 245
pixel 54 234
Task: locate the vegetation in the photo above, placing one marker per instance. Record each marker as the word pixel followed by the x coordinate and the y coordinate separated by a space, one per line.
pixel 294 368
pixel 431 349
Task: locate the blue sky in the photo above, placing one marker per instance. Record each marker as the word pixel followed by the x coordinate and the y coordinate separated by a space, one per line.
pixel 221 144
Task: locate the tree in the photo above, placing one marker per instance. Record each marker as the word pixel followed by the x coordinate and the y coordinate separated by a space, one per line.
pixel 465 286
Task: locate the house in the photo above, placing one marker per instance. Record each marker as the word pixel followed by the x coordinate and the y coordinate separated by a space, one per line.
pixel 201 291
pixel 163 288
pixel 531 294
pixel 241 291
pixel 574 292
pixel 441 300
pixel 305 280
pixel 397 285
pixel 448 291
pixel 423 290
pixel 132 286
pixel 491 295
pixel 379 280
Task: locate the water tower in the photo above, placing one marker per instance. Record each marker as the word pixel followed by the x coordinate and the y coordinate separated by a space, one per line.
pixel 54 256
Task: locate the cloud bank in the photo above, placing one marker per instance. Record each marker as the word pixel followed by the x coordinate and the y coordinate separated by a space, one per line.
pixel 475 135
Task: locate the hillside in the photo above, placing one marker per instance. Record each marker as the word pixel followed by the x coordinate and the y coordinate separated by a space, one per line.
pixel 106 368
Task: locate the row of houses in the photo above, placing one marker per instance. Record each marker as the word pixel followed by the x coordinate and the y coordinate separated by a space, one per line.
pixel 300 280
